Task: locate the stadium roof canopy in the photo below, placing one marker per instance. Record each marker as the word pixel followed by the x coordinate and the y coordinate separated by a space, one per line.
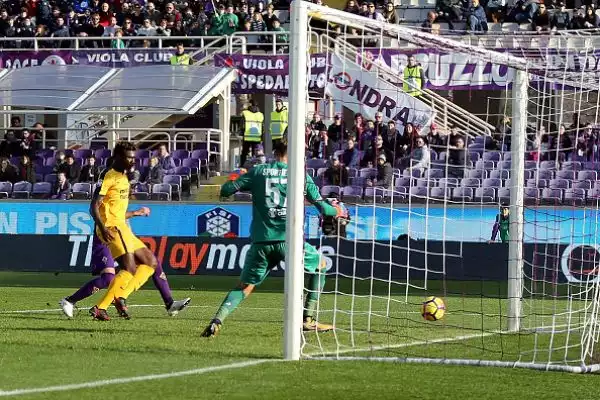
pixel 79 88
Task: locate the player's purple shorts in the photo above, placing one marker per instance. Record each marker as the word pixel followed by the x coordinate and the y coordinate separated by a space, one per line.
pixel 101 257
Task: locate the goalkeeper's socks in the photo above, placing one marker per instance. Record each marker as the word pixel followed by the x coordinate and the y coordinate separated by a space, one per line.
pixel 232 300
pixel 316 282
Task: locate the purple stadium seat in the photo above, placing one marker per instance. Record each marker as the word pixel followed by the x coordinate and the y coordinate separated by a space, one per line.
pixel 582 184
pixel 194 166
pixel 68 152
pixel 500 174
pixel 245 197
pixel 537 183
pixel 141 196
pixel 81 191
pixel 374 194
pixel 352 194
pixel 39 177
pixel 592 166
pixel 99 143
pixel 506 156
pixel 569 175
pixel 574 197
pixel 41 190
pixel 434 174
pixel 180 154
pixel 448 183
pixel 470 182
pixel 504 195
pixel 531 195
pixel 483 165
pixel 51 178
pixel 593 196
pixel 587 175
pixel 484 195
pixel 504 165
pixel 6 189
pixel 103 153
pixel 50 162
pixel 475 173
pixel 491 183
pixel 176 182
pixel 310 172
pixel 531 165
pixel 508 183
pixel 462 194
pixel 544 174
pixel 161 192
pixel 411 173
pixel 82 153
pixel 548 165
pixel 321 172
pixel 558 184
pixel 142 162
pixel 352 173
pixel 529 173
pixel 327 190
pixel 315 163
pixel 369 173
pixel 439 193
pixel 21 190
pixel 142 153
pixel 422 182
pixel 396 196
pixel 491 156
pixel 552 196
pixel 572 166
pixel 404 182
pixel 418 194
pixel 44 153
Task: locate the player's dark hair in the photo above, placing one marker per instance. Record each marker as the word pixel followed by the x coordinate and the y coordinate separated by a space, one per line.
pixel 123 147
pixel 109 162
pixel 280 148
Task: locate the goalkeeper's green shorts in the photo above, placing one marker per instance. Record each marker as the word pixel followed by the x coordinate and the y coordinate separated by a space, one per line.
pixel 262 257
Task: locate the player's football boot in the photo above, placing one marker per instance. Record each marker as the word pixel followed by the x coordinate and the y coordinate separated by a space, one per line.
pixel 67 307
pixel 100 315
pixel 310 324
pixel 121 306
pixel 212 329
pixel 177 306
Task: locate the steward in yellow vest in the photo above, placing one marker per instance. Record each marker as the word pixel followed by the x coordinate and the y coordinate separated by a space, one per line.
pixel 180 58
pixel 253 130
pixel 414 78
pixel 279 120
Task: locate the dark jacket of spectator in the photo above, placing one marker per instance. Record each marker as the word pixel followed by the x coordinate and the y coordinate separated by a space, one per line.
pixel 351 158
pixel 167 163
pixel 7 172
pixel 25 171
pixel 72 171
pixel 89 173
pixel 336 130
pixel 61 191
pixel 10 146
pixel 458 160
pixel 385 173
pixel 336 174
pixel 155 175
pixel 28 145
pixel 391 140
pixel 560 20
pixel 374 152
pixel 322 147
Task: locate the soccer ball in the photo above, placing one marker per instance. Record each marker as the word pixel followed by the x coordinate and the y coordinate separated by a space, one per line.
pixel 433 308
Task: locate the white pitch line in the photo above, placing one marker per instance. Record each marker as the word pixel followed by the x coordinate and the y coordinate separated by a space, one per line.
pixel 93 384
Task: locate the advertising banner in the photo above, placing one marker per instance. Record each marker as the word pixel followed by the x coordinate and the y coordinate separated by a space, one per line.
pixel 22 59
pixel 122 58
pixel 429 260
pixel 466 224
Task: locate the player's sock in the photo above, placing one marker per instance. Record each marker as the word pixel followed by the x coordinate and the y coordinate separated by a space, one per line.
pixel 121 280
pixel 142 274
pixel 160 281
pixel 316 282
pixel 232 300
pixel 98 283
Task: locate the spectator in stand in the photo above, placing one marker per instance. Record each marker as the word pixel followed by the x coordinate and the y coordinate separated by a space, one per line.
pixel 25 170
pixel 336 174
pixel 152 14
pixel 391 140
pixel 351 7
pixel 385 173
pixel 389 14
pixel 561 19
pixel 60 30
pixel 592 20
pixel 455 134
pixel 541 19
pixel 316 125
pixel 409 138
pixel 258 25
pixel 458 158
pixel 147 29
pixel 105 14
pixel 414 77
pixel 269 17
pixel 476 18
pixel 90 171
pixel 495 10
pixel 322 147
pixel 10 146
pixel 163 28
pixel 60 162
pixel 358 127
pixel 351 156
pixel 562 144
pixel 372 13
pixel 420 157
pixel 281 38
pixel 117 42
pixel 380 128
pixel 62 188
pixel 111 29
pixel 7 171
pixel 171 15
pixel 165 160
pixel 436 141
pixel 229 21
pixel 155 172
pixel 28 145
pixel 427 25
pixel 578 20
pixel 94 29
pixel 134 176
pixel 257 158
pixel 524 11
pixel 449 11
pixel 335 132
pixel 370 158
pixel 72 170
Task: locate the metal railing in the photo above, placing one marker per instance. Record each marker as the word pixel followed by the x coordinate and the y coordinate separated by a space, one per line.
pixel 447 113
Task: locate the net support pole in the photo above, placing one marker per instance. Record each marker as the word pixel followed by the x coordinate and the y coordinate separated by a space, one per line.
pixel 294 271
pixel 517 179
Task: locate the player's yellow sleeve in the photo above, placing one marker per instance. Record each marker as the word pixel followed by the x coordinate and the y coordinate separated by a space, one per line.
pixel 107 183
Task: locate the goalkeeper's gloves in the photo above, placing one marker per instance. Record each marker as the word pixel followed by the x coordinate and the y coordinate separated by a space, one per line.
pixel 233 175
pixel 341 210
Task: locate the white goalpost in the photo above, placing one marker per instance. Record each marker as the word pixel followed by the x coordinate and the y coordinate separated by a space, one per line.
pixel 532 301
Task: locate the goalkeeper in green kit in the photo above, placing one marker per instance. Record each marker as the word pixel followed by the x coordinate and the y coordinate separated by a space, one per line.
pixel 268 185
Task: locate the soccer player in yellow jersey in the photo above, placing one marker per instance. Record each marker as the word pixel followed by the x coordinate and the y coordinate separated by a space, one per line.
pixel 109 211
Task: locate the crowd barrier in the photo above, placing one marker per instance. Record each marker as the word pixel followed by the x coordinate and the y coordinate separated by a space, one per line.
pixel 382 260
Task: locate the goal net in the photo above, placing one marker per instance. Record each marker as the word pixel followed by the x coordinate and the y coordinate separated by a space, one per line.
pixel 519 160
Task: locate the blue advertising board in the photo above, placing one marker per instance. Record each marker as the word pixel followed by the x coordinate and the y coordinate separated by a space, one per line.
pixel 470 224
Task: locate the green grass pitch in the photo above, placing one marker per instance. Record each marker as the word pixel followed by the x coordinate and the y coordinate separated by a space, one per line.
pixel 41 349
